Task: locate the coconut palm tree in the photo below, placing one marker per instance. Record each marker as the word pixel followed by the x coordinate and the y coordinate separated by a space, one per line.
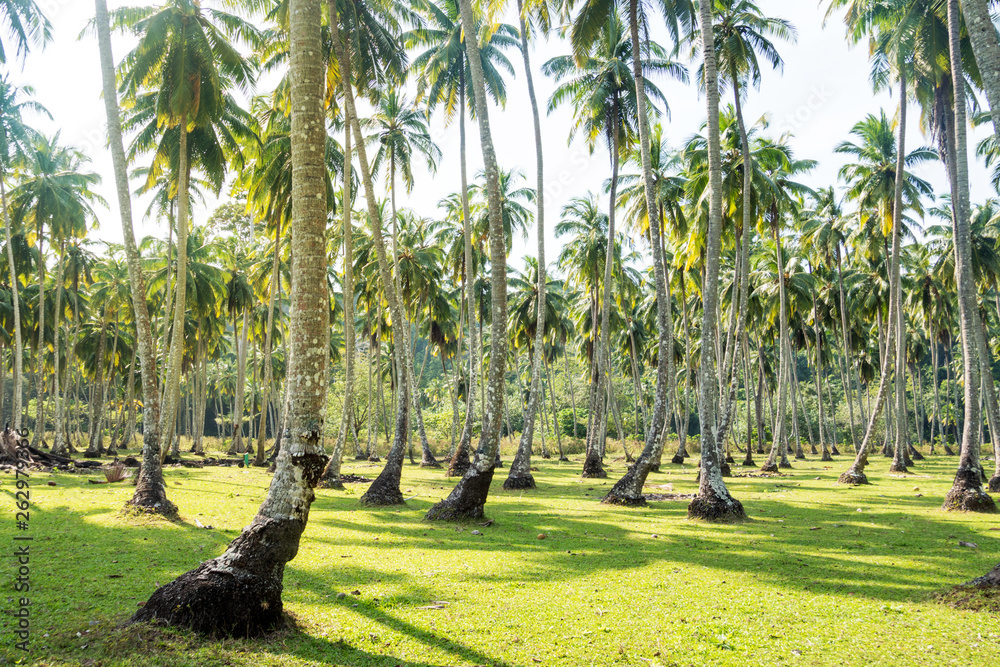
pixel 181 65
pixel 15 137
pixel 444 79
pixel 713 501
pixel 254 562
pixel 601 87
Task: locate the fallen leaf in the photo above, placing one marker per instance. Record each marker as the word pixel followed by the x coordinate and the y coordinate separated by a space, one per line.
pixel 487 523
pixel 816 528
pixel 971 545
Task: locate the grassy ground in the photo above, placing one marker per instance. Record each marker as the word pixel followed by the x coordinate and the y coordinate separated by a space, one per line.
pixel 823 575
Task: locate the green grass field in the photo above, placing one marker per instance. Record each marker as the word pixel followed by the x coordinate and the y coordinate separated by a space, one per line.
pixel 822 575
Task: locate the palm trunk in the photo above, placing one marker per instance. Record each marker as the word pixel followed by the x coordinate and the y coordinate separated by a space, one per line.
pixel 39 435
pixel 856 474
pixel 268 363
pixel 237 446
pixel 592 465
pixel 460 460
pixel 967 491
pixel 18 352
pixel 168 417
pixel 778 449
pixel 59 437
pixel 469 495
pixel 385 489
pixel 520 469
pixel 239 593
pixel 628 490
pixel 713 502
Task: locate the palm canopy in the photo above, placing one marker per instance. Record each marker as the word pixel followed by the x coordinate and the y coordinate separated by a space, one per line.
pixel 26 24
pixel 871 178
pixel 400 130
pixel 185 57
pixel 441 64
pixel 601 88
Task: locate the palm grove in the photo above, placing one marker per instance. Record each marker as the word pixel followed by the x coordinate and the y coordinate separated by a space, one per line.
pixel 704 302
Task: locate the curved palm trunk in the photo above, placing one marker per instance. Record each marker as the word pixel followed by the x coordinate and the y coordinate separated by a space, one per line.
pixel 460 460
pixel 855 475
pixel 967 491
pixel 168 417
pixel 713 501
pixel 469 495
pixel 779 448
pixel 331 475
pixel 236 446
pixel 39 435
pixel 593 466
pixel 94 447
pixel 628 490
pixel 59 437
pixel 239 593
pixel 18 370
pixel 385 489
pixel 268 364
pixel 985 44
pixel 520 469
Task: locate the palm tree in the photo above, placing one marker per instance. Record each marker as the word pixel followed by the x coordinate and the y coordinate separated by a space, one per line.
pixel 26 24
pixel 14 139
pixel 469 496
pixel 399 131
pixel 150 492
pixel 967 491
pixel 882 186
pixel 53 195
pixel 445 72
pixel 602 88
pixel 183 61
pixel 246 581
pixel 713 501
pixel 983 35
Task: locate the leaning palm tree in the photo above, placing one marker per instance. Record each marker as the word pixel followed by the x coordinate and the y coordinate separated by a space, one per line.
pixel 150 492
pixel 444 79
pixel 601 86
pixel 401 130
pixel 469 496
pixel 239 593
pixel 182 62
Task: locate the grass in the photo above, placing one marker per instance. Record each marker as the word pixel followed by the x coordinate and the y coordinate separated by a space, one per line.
pixel 823 575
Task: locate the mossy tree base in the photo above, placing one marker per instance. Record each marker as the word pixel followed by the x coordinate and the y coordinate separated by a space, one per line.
pixel 466 501
pixel 710 507
pixel 519 483
pixel 967 495
pixel 853 478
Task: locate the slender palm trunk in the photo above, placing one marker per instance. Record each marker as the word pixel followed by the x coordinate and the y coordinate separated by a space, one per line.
pixel 520 469
pixel 856 473
pixel 460 460
pixel 18 351
pixel 967 491
pixel 59 437
pixel 469 496
pixel 385 489
pixel 39 435
pixel 237 446
pixel 713 501
pixel 239 593
pixel 628 490
pixel 168 417
pixel 778 458
pixel 268 363
pixel 592 465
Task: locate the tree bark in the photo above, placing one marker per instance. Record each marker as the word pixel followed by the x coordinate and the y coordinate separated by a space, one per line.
pixel 18 352
pixel 469 495
pixel 967 491
pixel 239 593
pixel 713 501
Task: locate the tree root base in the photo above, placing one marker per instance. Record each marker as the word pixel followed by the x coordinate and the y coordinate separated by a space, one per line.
pixel 994 484
pixel 519 483
pixel 717 510
pixel 769 468
pixel 853 478
pixel 826 457
pixel 969 500
pixel 622 501
pixel 899 468
pixel 677 460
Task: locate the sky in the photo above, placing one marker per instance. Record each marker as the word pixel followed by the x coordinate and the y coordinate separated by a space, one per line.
pixel 819 95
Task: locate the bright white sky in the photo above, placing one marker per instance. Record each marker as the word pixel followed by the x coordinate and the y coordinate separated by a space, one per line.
pixel 822 92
